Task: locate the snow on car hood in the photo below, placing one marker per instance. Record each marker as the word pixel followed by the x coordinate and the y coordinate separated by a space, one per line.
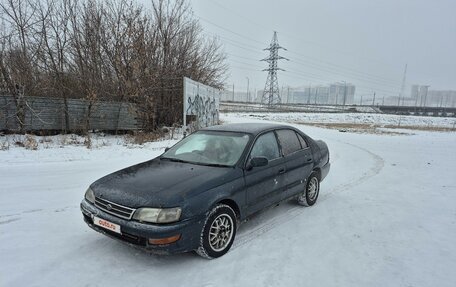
pixel 160 183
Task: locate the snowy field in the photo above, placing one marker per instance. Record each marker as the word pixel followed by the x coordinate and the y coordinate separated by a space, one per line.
pixel 355 118
pixel 386 216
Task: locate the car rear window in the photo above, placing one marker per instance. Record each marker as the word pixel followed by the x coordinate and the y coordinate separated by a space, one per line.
pixel 288 141
pixel 302 141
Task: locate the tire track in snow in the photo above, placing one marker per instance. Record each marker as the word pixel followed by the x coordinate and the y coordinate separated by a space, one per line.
pixel 9 220
pixel 41 210
pixel 293 212
pixel 374 170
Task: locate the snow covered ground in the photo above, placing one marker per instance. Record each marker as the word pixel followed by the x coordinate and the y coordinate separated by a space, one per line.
pixel 355 118
pixel 386 216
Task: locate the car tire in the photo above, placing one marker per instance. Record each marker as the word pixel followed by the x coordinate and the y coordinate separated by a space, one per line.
pixel 310 195
pixel 218 232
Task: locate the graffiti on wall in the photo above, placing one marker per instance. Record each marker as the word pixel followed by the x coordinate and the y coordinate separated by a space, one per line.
pixel 202 102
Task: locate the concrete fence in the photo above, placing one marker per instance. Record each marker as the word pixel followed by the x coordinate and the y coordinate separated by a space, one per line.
pixel 46 113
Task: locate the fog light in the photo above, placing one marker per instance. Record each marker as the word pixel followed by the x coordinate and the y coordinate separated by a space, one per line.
pixel 162 241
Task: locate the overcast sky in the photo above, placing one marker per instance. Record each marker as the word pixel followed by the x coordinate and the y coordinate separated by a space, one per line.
pixel 363 42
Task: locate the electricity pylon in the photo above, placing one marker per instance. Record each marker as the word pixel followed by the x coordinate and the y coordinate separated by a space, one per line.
pixel 271 95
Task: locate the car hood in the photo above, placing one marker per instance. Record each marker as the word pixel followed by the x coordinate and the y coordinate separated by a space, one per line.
pixel 160 183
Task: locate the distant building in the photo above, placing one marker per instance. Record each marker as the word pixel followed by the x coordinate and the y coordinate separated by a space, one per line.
pixel 414 92
pixel 236 96
pixel 328 94
pixel 338 91
pixel 420 95
pixel 441 98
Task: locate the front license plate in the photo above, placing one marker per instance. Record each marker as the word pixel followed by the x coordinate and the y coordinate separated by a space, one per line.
pixel 106 224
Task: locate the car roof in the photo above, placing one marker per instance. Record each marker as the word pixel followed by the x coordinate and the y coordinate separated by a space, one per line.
pixel 251 128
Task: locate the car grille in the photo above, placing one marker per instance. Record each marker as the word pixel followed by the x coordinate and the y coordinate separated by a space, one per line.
pixel 114 208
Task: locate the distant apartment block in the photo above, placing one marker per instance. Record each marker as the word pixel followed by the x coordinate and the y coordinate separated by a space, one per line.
pixel 421 95
pixel 337 93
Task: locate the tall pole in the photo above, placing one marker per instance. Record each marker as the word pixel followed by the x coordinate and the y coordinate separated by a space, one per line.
pixel 425 95
pixel 345 93
pixel 288 95
pixel 316 89
pixel 401 95
pixel 233 92
pixel 281 92
pixel 247 95
pixel 373 100
pixel 308 96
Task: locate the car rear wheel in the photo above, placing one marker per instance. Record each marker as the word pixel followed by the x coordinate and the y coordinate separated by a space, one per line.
pixel 309 196
pixel 218 232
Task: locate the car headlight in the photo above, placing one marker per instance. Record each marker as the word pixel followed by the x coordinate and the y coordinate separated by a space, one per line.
pixel 158 215
pixel 89 196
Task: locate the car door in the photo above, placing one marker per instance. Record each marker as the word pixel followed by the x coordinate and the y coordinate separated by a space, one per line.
pixel 265 185
pixel 298 161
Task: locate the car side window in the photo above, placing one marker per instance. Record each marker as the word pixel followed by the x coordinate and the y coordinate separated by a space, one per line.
pixel 302 141
pixel 288 141
pixel 266 145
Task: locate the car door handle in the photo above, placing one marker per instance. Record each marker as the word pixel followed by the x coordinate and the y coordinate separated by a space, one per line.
pixel 282 170
pixel 309 159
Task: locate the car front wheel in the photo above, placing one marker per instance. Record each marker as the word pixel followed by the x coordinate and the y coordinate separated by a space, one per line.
pixel 309 196
pixel 218 232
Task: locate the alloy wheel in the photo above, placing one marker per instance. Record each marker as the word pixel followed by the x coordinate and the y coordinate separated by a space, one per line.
pixel 312 189
pixel 220 232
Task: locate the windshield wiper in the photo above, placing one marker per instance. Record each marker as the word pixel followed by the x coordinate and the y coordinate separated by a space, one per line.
pixel 197 163
pixel 173 159
pixel 212 164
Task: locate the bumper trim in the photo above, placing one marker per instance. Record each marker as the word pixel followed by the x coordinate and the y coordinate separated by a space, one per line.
pixel 137 234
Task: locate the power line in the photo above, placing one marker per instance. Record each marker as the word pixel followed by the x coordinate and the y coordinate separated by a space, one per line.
pixel 308 76
pixel 320 77
pixel 379 80
pixel 235 43
pixel 367 78
pixel 342 67
pixel 290 35
pixel 361 78
pixel 228 30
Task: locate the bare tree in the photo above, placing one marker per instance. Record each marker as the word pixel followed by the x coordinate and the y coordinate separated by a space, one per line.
pixel 54 31
pixel 106 50
pixel 124 29
pixel 87 62
pixel 18 54
pixel 181 51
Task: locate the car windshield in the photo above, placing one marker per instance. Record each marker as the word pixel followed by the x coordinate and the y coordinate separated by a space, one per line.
pixel 209 148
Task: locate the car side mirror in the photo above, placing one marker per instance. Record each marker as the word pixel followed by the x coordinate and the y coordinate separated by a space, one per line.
pixel 167 149
pixel 257 162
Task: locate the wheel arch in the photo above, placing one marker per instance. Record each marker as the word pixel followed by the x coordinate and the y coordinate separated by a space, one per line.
pixel 317 170
pixel 231 203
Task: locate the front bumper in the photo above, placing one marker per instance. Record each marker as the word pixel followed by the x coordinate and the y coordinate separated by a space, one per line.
pixel 137 234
